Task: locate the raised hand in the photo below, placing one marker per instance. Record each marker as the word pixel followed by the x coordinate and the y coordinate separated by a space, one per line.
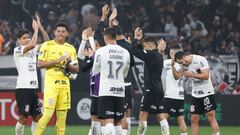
pixel 88 52
pixel 113 15
pixel 115 22
pixel 138 34
pixel 105 12
pixel 87 33
pixel 162 45
pixel 64 58
pixel 38 21
pixel 34 25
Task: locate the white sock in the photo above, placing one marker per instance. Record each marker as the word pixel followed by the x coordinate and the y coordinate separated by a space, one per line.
pixel 103 130
pixel 129 125
pixel 19 129
pixel 33 126
pixel 218 133
pixel 164 127
pixel 96 128
pixel 118 130
pixel 124 132
pixel 183 134
pixel 142 128
pixel 110 130
pixel 90 131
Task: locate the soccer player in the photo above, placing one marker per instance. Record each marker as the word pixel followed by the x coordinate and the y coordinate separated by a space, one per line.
pixel 203 101
pixel 55 55
pixel 88 56
pixel 122 41
pixel 25 56
pixel 173 102
pixel 112 62
pixel 153 96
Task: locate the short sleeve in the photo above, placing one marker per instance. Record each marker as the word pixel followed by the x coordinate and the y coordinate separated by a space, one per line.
pixel 204 63
pixel 74 56
pixel 96 63
pixel 19 50
pixel 43 53
pixel 177 66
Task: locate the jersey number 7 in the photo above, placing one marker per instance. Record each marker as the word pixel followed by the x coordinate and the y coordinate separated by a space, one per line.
pixel 116 66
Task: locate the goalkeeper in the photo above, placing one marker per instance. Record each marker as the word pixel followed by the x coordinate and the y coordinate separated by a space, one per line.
pixel 59 59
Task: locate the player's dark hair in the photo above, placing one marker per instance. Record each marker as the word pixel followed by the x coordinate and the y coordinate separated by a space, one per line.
pixel 177 47
pixel 21 32
pixel 179 55
pixel 150 39
pixel 61 24
pixel 99 38
pixel 110 32
pixel 118 29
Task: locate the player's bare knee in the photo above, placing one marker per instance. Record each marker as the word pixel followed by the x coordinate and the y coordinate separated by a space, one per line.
pixel 195 118
pixel 180 120
pixel 143 116
pixel 211 116
pixel 37 117
pixel 128 113
pixel 22 119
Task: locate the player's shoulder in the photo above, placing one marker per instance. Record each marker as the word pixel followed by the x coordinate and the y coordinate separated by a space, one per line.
pixel 48 43
pixel 199 57
pixel 18 48
pixel 69 45
pixel 167 63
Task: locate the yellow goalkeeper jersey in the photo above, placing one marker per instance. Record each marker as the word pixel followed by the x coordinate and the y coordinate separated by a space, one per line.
pixel 49 51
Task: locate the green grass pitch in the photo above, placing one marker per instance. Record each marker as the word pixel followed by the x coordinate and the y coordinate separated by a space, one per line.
pixel 152 130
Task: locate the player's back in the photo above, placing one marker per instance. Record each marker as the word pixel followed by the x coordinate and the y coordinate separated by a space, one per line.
pixel 114 62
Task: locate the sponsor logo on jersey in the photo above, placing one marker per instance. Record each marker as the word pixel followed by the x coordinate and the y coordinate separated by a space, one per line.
pixel 33 82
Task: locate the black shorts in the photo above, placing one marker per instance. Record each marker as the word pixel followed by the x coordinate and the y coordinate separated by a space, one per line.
pixel 110 107
pixel 27 102
pixel 174 107
pixel 203 105
pixel 94 105
pixel 128 98
pixel 152 102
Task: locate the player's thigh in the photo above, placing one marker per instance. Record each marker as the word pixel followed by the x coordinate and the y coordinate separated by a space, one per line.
pixel 36 105
pixel 157 102
pixel 119 108
pixel 196 106
pixel 106 107
pixel 50 97
pixel 209 103
pixel 24 98
pixel 64 99
pixel 173 107
pixel 146 102
pixel 128 98
pixel 94 106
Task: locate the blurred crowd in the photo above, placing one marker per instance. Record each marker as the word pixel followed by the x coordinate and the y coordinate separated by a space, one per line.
pixel 206 27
